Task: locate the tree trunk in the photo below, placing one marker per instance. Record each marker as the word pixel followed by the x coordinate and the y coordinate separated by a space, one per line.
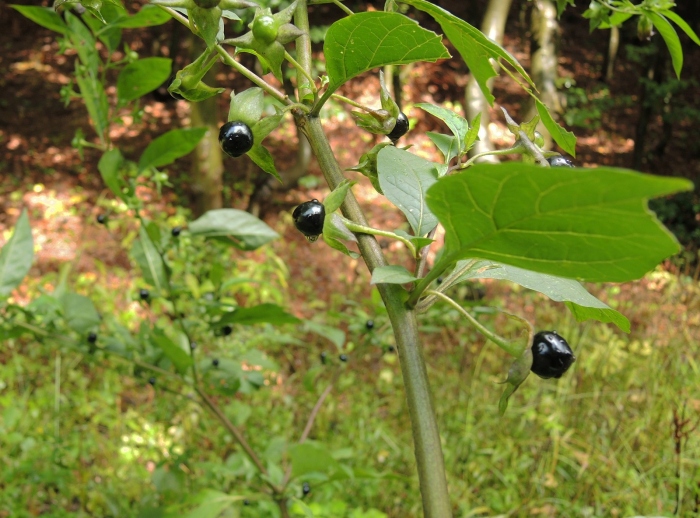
pixel 208 167
pixel 655 72
pixel 493 26
pixel 543 65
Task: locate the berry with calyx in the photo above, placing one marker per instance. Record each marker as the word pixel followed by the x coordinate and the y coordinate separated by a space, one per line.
pixel 235 138
pixel 308 218
pixel 401 127
pixel 369 324
pixel 551 355
pixel 305 488
pixel 226 330
pixel 151 381
pixel 265 28
pixel 91 337
pixel 144 294
pixel 343 357
pixel 176 231
pixel 559 161
pixel 215 362
pixel 102 219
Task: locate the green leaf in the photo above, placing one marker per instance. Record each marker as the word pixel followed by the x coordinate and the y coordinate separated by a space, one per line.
pixel 247 106
pixel 142 76
pixel 561 5
pixel 473 133
pixel 149 260
pixel 245 230
pixel 475 48
pixel 94 98
pixel 79 312
pixel 211 504
pixel 170 146
pixel 176 354
pixel 582 304
pixel 84 43
pixel 260 314
pixel 264 127
pixel 264 160
pixel 364 41
pixel 335 232
pixel 682 24
pixel 668 33
pixel 448 145
pixel 565 139
pixel 336 198
pixel 590 224
pixel 110 165
pixel 334 335
pixel 44 16
pixel 208 23
pixel 148 16
pixel 458 125
pixel 311 458
pixel 16 256
pixel 392 274
pixel 405 178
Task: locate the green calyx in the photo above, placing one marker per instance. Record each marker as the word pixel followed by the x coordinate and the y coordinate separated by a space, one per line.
pixel 188 81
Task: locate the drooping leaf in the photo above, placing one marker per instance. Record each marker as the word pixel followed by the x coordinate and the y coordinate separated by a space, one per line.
pixel 364 41
pixel 582 304
pixel 142 76
pixel 393 274
pixel 405 179
pixel 79 312
pixel 245 230
pixel 260 314
pixel 149 260
pixel 565 139
pixel 668 33
pixel 16 256
pixel 264 160
pixel 170 146
pixel 682 24
pixel 476 49
pixel 44 16
pixel 590 224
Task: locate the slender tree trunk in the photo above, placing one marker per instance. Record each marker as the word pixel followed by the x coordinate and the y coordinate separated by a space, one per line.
pixel 493 26
pixel 543 65
pixel 208 168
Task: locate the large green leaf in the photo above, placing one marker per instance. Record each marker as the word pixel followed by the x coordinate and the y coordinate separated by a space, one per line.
pixel 170 146
pixel 142 76
pixel 79 312
pixel 582 304
pixel 260 314
pixel 405 178
pixel 44 16
pixel 149 260
pixel 668 33
pixel 369 40
pixel 16 256
pixel 590 224
pixel 476 49
pixel 245 230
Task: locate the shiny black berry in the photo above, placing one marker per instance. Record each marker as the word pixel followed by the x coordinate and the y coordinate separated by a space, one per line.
pixel 144 294
pixel 369 324
pixel 401 127
pixel 305 488
pixel 559 161
pixel 551 355
pixel 215 362
pixel 151 381
pixel 226 330
pixel 193 345
pixel 391 349
pixel 102 219
pixel 235 138
pixel 323 357
pixel 343 357
pixel 176 231
pixel 308 219
pixel 246 502
pixel 91 337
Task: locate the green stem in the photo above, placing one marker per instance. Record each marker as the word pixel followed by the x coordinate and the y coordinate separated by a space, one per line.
pixel 516 148
pixel 303 51
pixel 299 68
pixel 447 283
pixel 346 100
pixel 504 344
pixel 343 7
pixel 362 229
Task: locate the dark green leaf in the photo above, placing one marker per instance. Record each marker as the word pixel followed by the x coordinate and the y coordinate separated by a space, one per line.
pixel 668 33
pixel 110 165
pixel 170 146
pixel 79 312
pixel 149 260
pixel 591 224
pixel 565 139
pixel 176 354
pixel 16 256
pixel 260 314
pixel 247 231
pixel 405 178
pixel 364 41
pixel 393 274
pixel 142 76
pixel 44 16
